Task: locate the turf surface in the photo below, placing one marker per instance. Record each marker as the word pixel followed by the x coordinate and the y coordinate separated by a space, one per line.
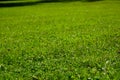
pixel 60 41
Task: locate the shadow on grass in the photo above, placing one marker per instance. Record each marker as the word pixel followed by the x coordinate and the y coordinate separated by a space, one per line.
pixel 8 3
pixel 18 3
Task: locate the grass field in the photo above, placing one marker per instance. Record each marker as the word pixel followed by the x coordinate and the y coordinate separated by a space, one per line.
pixel 60 41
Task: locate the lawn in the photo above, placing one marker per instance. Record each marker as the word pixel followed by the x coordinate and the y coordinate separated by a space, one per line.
pixel 60 41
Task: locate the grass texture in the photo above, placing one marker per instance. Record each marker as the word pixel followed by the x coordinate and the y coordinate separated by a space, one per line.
pixel 60 41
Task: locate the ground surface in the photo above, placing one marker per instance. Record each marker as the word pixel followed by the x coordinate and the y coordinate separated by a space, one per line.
pixel 69 40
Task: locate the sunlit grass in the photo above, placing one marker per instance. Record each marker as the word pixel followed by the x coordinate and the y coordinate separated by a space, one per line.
pixel 74 40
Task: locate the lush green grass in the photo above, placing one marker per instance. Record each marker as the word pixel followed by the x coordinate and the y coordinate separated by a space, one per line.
pixel 61 41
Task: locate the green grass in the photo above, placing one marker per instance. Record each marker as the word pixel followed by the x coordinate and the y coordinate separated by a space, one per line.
pixel 60 41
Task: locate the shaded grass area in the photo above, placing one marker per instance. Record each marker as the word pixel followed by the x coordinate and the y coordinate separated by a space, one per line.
pixel 19 3
pixel 60 41
pixel 16 3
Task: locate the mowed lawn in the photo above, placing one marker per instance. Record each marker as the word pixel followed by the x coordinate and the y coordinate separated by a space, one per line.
pixel 60 41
